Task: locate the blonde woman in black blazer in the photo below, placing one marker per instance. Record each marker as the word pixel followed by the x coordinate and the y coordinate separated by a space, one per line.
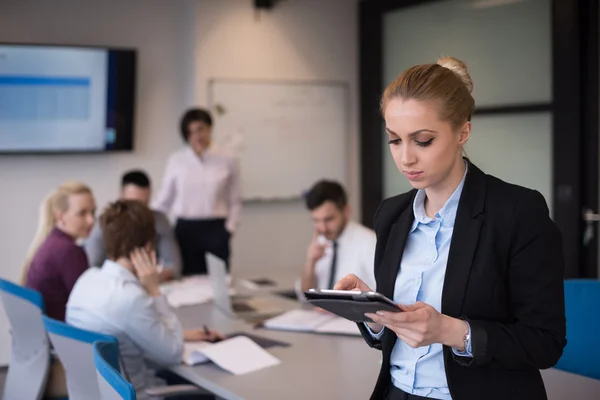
pixel 485 312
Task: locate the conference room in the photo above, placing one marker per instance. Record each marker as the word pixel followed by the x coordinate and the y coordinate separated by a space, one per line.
pixel 291 91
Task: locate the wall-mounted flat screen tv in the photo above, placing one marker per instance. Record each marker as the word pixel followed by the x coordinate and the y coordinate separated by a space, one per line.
pixel 66 99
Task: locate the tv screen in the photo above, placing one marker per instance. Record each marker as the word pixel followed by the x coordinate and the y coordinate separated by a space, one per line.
pixel 66 99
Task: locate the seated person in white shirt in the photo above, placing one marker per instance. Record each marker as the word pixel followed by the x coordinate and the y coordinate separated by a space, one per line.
pixel 122 298
pixel 135 185
pixel 339 246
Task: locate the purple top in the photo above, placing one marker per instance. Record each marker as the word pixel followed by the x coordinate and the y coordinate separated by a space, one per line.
pixel 55 267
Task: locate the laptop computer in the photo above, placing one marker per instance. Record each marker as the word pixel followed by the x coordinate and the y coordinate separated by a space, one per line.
pixel 247 307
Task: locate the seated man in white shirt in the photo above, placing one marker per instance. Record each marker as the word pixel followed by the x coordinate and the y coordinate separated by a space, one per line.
pixel 339 246
pixel 122 298
pixel 135 185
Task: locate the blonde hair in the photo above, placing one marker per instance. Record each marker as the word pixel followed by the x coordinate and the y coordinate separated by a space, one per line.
pixel 56 201
pixel 447 83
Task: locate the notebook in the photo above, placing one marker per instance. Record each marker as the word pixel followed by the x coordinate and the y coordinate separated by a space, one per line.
pixel 312 321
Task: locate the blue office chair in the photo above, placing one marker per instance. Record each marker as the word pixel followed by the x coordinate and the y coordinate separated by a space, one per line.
pixel 111 383
pixel 582 353
pixel 74 348
pixel 30 351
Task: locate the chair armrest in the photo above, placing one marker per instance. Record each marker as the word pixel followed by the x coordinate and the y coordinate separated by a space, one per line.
pixel 174 390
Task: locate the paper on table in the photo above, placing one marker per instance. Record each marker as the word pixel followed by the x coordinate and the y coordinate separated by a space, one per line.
pixel 188 296
pixel 340 326
pixel 312 321
pixel 257 283
pixel 189 291
pixel 192 352
pixel 248 284
pixel 298 320
pixel 238 355
pixel 192 281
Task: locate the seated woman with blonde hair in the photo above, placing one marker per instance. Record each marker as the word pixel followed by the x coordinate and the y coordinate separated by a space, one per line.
pixel 55 261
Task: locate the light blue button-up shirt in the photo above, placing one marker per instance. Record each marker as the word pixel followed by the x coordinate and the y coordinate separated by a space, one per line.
pixel 421 371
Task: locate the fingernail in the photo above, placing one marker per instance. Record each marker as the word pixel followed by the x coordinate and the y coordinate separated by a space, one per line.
pixel 381 313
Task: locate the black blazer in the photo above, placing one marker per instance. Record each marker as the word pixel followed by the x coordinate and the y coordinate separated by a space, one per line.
pixel 504 275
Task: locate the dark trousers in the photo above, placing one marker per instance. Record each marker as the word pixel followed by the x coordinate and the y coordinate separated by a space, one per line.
pixel 393 393
pixel 199 236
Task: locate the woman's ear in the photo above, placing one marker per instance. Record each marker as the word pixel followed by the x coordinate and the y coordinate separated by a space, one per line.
pixel 464 134
pixel 58 215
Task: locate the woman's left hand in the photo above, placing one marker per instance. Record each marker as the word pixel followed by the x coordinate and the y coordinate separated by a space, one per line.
pixel 420 324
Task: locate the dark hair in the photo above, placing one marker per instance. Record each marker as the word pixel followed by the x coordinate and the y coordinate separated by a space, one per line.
pixel 323 191
pixel 135 177
pixel 126 225
pixel 193 115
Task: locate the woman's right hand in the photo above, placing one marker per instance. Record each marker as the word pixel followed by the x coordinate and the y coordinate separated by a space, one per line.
pixel 352 282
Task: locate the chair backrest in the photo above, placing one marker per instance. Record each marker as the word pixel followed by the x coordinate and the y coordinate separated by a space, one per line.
pixel 30 350
pixel 74 347
pixel 582 353
pixel 112 385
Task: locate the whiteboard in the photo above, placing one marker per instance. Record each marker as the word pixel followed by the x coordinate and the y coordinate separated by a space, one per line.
pixel 287 135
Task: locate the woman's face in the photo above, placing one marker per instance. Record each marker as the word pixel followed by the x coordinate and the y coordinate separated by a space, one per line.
pixel 77 221
pixel 199 136
pixel 425 149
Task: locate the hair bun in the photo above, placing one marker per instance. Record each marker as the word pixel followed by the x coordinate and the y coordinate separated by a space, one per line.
pixel 459 68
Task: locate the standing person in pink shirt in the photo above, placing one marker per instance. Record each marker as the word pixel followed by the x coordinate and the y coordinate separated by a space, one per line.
pixel 201 188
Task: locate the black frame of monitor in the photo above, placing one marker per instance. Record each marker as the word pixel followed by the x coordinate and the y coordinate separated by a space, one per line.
pixel 125 99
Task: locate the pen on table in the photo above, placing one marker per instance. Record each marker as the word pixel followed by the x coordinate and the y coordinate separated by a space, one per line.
pixel 209 337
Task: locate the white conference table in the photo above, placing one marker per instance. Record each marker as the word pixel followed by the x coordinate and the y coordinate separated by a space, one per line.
pixel 312 367
pixel 319 366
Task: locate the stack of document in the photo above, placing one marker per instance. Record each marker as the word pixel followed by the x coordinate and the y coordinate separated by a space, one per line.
pixel 238 355
pixel 312 321
pixel 188 291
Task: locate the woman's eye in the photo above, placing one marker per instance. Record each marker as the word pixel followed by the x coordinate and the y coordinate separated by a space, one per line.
pixel 424 144
pixel 394 141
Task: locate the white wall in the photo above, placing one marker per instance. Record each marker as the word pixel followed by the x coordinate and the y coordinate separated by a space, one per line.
pixel 157 29
pixel 298 40
pixel 181 43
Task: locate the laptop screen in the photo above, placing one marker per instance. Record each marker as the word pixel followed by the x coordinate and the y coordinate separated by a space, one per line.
pixel 217 273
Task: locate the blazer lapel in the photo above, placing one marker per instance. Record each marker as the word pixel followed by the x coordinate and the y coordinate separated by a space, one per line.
pixel 394 249
pixel 469 218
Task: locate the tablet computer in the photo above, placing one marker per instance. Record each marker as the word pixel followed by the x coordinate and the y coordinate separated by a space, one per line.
pixel 351 305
